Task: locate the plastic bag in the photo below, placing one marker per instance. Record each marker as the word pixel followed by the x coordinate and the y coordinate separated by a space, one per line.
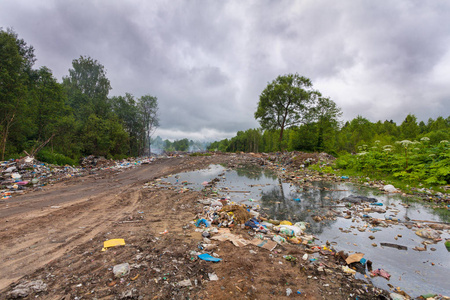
pixel 121 270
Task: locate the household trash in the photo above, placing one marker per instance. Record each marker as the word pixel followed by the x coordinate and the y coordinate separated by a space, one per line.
pixel 354 258
pixel 113 243
pixel 185 283
pixel 121 270
pixel 347 270
pixel 18 176
pixel 202 221
pixel 380 272
pixel 428 233
pixel 24 289
pixel 390 188
pixel 224 234
pixel 266 244
pixel 207 257
pixel 213 277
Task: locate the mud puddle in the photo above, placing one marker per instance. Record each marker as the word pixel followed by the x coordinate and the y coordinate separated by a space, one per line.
pixel 347 227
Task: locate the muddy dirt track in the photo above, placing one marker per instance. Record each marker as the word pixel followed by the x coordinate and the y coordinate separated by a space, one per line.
pixel 56 236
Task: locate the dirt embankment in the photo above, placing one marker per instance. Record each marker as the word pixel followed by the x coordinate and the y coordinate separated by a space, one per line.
pixel 53 238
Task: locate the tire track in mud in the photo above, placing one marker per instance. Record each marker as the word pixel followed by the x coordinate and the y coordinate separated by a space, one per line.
pixel 34 243
pixel 33 234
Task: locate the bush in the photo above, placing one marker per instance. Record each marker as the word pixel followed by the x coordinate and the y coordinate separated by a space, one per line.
pixel 55 158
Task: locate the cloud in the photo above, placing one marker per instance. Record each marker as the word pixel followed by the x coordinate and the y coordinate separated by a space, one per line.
pixel 207 62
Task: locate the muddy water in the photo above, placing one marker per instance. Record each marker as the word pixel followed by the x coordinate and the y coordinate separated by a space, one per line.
pixel 416 272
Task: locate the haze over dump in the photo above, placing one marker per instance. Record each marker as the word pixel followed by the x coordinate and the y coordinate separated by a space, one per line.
pixel 208 62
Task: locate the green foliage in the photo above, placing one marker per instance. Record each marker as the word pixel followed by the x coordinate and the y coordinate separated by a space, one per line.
pixel 73 118
pixel 414 162
pixel 55 158
pixel 199 154
pixel 287 101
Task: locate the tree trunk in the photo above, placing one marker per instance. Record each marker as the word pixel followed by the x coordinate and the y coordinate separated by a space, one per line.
pixel 281 139
pixel 5 135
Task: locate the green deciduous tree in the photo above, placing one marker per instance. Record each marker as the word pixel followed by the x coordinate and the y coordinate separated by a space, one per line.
pixel 286 101
pixel 88 88
pixel 16 59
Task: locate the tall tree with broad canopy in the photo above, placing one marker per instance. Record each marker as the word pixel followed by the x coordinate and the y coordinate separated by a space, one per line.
pixel 88 88
pixel 286 101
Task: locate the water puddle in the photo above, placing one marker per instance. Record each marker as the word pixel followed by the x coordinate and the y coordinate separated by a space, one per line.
pixel 416 272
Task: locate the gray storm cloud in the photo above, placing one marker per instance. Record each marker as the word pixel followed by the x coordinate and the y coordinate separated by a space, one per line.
pixel 207 62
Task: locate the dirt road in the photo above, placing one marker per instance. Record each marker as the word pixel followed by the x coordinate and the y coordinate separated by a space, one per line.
pixel 56 236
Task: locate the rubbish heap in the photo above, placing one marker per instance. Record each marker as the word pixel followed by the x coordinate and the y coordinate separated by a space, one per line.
pixel 18 176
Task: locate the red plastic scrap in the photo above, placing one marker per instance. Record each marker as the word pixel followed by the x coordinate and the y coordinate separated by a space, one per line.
pixel 381 272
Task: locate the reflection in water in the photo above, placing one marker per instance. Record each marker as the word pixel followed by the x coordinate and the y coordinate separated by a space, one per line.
pixel 311 204
pixel 255 172
pixel 412 270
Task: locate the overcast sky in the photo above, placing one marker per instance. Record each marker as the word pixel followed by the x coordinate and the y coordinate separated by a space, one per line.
pixel 208 61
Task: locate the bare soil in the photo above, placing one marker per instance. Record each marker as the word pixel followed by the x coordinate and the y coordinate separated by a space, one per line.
pixel 56 235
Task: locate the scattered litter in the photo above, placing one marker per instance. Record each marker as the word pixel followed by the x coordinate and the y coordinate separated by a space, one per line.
pixel 24 289
pixel 224 234
pixel 428 233
pixel 354 258
pixel 380 272
pixel 112 243
pixel 207 257
pixel 121 270
pixel 185 283
pixel 266 244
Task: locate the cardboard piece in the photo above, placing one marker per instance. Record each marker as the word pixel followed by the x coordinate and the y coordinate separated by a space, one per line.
pixel 266 244
pixel 224 234
pixel 354 258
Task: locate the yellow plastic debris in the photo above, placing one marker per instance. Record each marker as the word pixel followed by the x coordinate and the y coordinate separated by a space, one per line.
pixel 285 223
pixel 112 243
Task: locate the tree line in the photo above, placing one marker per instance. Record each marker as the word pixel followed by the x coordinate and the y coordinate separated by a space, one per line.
pixel 350 137
pixel 295 116
pixel 70 119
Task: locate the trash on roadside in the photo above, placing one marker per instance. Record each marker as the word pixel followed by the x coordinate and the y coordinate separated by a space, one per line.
pixel 354 258
pixel 266 244
pixel 428 233
pixel 202 221
pixel 121 270
pixel 112 243
pixel 390 188
pixel 185 283
pixel 207 257
pixel 224 234
pixel 347 270
pixel 279 239
pixel 380 272
pixel 24 289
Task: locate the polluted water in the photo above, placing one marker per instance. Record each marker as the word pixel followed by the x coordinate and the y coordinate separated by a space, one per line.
pixel 349 217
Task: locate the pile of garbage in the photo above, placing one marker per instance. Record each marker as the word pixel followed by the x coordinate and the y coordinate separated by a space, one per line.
pixel 242 225
pixel 18 176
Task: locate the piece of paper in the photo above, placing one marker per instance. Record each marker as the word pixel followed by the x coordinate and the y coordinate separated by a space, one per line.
pixel 354 258
pixel 224 234
pixel 266 244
